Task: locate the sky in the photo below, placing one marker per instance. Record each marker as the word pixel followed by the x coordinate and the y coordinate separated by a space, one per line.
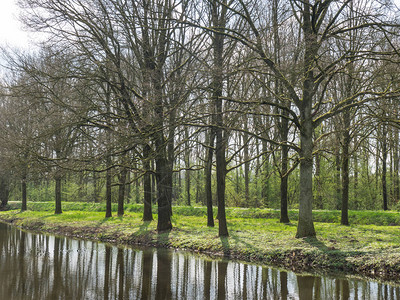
pixel 11 32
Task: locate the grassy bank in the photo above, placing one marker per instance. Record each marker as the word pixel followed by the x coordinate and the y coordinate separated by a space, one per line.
pixel 371 250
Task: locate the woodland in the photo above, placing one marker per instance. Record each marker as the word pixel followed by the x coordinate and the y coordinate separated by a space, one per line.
pixel 225 103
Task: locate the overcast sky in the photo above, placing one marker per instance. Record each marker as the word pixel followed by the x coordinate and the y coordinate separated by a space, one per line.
pixel 11 32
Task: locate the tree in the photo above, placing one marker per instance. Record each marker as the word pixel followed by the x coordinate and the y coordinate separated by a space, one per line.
pixel 218 13
pixel 321 22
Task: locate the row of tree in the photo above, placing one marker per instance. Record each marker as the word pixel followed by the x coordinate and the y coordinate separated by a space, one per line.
pixel 138 93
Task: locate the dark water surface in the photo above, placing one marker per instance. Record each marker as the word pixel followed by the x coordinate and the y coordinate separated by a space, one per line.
pixel 34 266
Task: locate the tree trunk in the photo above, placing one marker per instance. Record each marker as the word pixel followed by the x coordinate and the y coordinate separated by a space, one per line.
pixel 305 227
pixel 284 198
pixel 265 189
pixel 377 168
pixel 4 192
pixel 338 185
pixel 396 179
pixel 95 188
pixel 163 192
pixel 208 177
pixel 218 21
pixel 108 188
pixel 282 121
pixel 163 170
pixel 121 191
pixel 246 163
pixel 257 173
pixel 147 198
pixel 284 176
pixel 318 201
pixel 153 183
pixel 384 167
pixel 171 148
pixel 356 200
pixel 345 170
pixel 345 151
pixel 23 190
pixel 221 174
pixel 58 209
pixel 128 187
pixel 187 177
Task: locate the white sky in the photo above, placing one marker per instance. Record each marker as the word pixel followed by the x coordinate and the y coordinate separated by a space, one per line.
pixel 11 32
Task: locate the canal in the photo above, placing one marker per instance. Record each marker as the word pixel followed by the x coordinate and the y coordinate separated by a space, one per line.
pixel 36 266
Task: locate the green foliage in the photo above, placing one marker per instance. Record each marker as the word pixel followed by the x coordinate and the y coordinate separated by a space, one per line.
pixel 35 192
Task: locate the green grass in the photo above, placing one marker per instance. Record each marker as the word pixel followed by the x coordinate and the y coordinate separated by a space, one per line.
pixel 255 235
pixel 384 218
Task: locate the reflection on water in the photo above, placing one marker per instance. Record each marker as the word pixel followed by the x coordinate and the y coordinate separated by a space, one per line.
pixel 46 267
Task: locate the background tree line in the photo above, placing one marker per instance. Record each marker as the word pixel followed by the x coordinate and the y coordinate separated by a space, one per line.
pixel 280 104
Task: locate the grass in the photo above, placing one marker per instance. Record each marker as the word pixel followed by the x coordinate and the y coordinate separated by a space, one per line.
pixel 380 218
pixel 255 235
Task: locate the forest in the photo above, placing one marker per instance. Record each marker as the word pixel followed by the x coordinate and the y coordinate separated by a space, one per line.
pixel 217 103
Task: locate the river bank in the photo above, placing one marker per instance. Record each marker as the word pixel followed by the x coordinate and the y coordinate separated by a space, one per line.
pixel 366 250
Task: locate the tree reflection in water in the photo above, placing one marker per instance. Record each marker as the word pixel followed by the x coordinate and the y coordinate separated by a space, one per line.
pixel 47 267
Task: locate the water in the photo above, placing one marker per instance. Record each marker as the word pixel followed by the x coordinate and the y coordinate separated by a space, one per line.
pixel 34 266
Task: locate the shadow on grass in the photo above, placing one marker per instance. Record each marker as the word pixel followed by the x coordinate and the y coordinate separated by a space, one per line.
pixel 313 241
pixel 289 224
pixel 226 247
pixel 163 238
pixel 104 220
pixel 144 227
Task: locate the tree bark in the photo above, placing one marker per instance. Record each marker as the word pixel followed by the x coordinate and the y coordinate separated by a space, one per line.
pixel 305 226
pixel 246 163
pixel 396 188
pixel 384 167
pixel 284 170
pixel 318 201
pixel 356 200
pixel 4 191
pixel 337 177
pixel 221 174
pixel 164 194
pixel 121 191
pixel 147 190
pixel 208 178
pixel 345 152
pixel 128 186
pixel 163 171
pixel 108 188
pixel 345 170
pixel 218 21
pixel 187 165
pixel 58 209
pixel 95 187
pixel 265 189
pixel 23 190
pixel 282 121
